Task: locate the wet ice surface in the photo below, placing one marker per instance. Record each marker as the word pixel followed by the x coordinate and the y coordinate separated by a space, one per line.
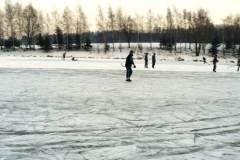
pixel 95 114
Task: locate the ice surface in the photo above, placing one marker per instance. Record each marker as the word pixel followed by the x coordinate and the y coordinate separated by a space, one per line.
pixel 52 109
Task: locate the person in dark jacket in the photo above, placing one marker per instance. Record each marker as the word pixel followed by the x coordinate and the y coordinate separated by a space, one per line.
pixel 146 60
pixel 215 63
pixel 153 60
pixel 238 64
pixel 204 60
pixel 64 55
pixel 73 59
pixel 128 65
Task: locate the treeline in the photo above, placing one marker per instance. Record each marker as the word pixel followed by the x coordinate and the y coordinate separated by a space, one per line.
pixel 28 26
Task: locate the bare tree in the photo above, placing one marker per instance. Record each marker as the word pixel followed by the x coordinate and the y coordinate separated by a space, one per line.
pixel 31 25
pixel 180 27
pixel 139 26
pixel 128 26
pixel 170 23
pixel 176 25
pixel 237 27
pixel 160 25
pixel 41 21
pixel 1 28
pixel 10 20
pixel 85 25
pixel 150 24
pixel 56 18
pixel 185 24
pixel 208 34
pixel 81 23
pixel 102 25
pixel 67 21
pixel 200 23
pixel 189 18
pixel 19 20
pixel 230 23
pixel 111 23
pixel 223 35
pixel 48 24
pixel 179 24
pixel 119 22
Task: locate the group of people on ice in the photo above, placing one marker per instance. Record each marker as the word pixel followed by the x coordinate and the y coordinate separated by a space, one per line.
pixel 215 60
pixel 153 60
pixel 130 62
pixel 64 56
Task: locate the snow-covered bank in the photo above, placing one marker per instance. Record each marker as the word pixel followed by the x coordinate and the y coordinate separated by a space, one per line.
pixel 113 60
pixel 161 55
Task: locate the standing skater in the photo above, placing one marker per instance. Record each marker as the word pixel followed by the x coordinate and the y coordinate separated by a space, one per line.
pixel 204 60
pixel 64 55
pixel 238 64
pixel 146 60
pixel 215 63
pixel 128 65
pixel 153 60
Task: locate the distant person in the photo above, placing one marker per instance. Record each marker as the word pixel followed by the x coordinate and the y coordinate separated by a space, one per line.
pixel 64 55
pixel 73 59
pixel 153 60
pixel 238 64
pixel 215 60
pixel 204 60
pixel 146 60
pixel 128 65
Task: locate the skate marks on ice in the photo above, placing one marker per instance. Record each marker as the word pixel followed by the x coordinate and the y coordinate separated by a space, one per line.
pixel 72 114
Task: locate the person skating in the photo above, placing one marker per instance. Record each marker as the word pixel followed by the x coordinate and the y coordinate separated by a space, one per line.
pixel 64 55
pixel 153 60
pixel 128 65
pixel 215 63
pixel 204 60
pixel 238 64
pixel 146 60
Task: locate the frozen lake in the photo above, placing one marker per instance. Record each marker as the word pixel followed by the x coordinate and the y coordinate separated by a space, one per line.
pixel 86 113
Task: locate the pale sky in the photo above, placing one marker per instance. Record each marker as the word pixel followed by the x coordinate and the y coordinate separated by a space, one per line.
pixel 217 8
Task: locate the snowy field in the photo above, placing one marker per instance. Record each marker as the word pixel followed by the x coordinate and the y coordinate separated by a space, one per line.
pixel 53 109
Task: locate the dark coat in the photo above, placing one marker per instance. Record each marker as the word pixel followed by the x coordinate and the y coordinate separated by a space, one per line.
pixel 146 58
pixel 215 60
pixel 129 60
pixel 154 58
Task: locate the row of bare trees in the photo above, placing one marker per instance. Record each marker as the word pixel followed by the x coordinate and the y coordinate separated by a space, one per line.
pixel 176 23
pixel 231 23
pixel 199 22
pixel 17 21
